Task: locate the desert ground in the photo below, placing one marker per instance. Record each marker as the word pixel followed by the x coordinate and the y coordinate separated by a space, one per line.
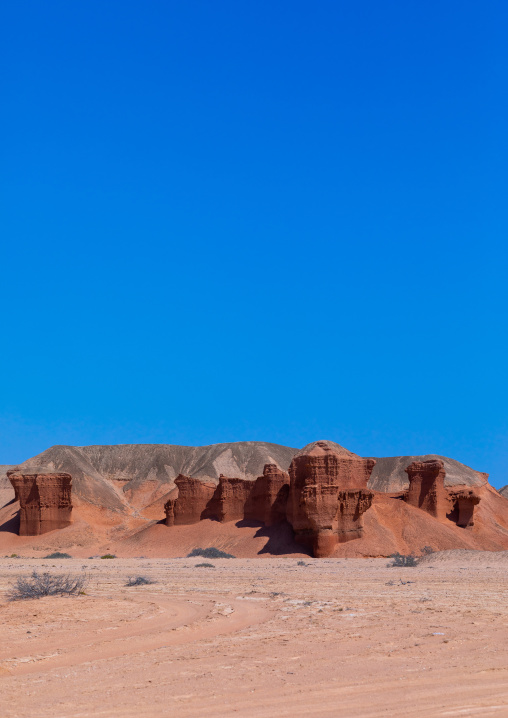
pixel 260 637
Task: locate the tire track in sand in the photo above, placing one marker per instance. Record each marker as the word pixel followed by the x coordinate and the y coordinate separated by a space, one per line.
pixel 178 622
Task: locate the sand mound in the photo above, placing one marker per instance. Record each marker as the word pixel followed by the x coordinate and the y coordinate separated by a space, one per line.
pixel 466 557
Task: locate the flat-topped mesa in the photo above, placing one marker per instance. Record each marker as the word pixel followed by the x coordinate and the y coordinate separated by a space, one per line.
pixel 464 500
pixel 44 500
pixel 268 497
pixel 328 495
pixel 190 505
pixel 229 499
pixel 426 487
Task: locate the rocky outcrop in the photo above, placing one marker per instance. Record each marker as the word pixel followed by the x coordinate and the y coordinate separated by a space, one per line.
pixel 233 499
pixel 427 492
pixel 389 474
pixel 190 505
pixel 328 495
pixel 44 500
pixel 229 499
pixel 146 472
pixel 128 477
pixel 268 497
pixel 426 487
pixel 352 505
pixel 464 501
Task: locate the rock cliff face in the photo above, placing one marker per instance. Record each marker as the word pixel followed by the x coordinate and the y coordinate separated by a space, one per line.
pixel 328 495
pixel 426 487
pixel 233 499
pixel 190 505
pixel 323 498
pixel 229 499
pixel 463 500
pixel 268 498
pixel 427 492
pixel 45 501
pixel 127 476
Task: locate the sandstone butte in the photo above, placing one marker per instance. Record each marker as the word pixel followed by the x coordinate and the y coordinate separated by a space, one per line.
pixel 325 504
pixel 44 499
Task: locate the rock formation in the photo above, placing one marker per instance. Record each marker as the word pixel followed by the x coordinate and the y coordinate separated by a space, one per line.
pixel 233 499
pixel 427 492
pixel 268 497
pixel 44 499
pixel 464 500
pixel 426 487
pixel 190 505
pixel 327 497
pixel 229 499
pixel 128 478
pixel 352 505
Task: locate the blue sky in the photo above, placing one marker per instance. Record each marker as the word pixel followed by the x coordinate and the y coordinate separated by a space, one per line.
pixel 277 221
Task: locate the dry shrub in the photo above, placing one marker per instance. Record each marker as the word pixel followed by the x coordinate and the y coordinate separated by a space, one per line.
pixel 46 584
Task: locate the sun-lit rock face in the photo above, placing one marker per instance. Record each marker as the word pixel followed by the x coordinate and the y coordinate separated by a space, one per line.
pixel 426 487
pixel 328 495
pixel 268 497
pixel 232 499
pixel 427 492
pixel 463 499
pixel 44 500
pixel 191 503
pixel 229 499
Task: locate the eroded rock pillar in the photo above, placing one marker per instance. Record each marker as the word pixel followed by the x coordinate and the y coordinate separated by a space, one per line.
pixel 426 487
pixel 268 497
pixel 44 500
pixel 328 496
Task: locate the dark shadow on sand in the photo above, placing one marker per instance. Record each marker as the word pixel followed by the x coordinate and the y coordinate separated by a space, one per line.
pixel 280 537
pixel 12 525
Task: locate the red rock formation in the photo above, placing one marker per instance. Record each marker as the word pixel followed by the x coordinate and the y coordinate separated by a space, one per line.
pixel 426 487
pixel 44 500
pixel 268 497
pixel 352 505
pixel 328 495
pixel 229 499
pixel 192 501
pixel 464 500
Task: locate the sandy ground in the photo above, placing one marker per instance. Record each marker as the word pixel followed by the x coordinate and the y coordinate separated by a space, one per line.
pixel 264 638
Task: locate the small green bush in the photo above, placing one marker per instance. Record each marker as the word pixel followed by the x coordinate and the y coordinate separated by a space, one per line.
pixel 205 565
pixel 301 563
pixel 58 554
pixel 211 552
pixel 108 555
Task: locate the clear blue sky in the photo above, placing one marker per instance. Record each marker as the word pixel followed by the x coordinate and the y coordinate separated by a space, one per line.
pixel 274 220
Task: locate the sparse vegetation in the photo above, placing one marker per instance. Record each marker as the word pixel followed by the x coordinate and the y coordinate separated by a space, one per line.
pixel 205 565
pixel 301 563
pixel 426 550
pixel 139 581
pixel 58 554
pixel 211 552
pixel 402 560
pixel 108 555
pixel 46 584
